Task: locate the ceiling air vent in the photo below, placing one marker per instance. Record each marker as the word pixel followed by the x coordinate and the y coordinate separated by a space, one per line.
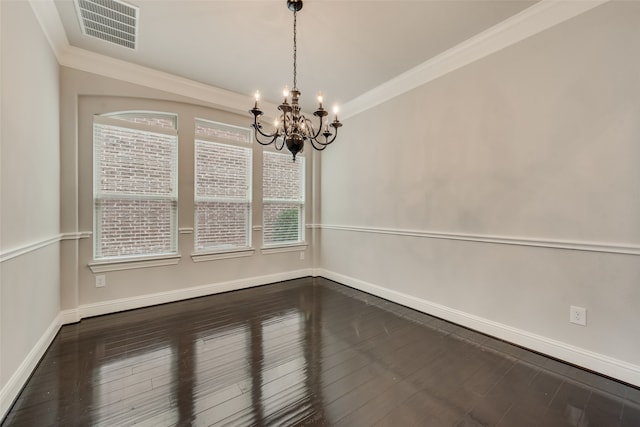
pixel 110 20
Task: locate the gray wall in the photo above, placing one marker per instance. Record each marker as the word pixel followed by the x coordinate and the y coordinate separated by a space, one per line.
pixel 30 194
pixel 495 196
pixel 462 196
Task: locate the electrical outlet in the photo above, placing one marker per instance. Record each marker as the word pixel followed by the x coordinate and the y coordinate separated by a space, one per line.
pixel 301 255
pixel 578 315
pixel 101 281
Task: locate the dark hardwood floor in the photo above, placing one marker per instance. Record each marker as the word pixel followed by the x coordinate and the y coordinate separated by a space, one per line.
pixel 304 352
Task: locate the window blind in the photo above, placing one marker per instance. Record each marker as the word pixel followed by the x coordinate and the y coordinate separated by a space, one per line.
pixel 135 188
pixel 222 187
pixel 283 199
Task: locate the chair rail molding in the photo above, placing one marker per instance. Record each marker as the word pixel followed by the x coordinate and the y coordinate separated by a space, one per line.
pixel 612 248
pixel 29 247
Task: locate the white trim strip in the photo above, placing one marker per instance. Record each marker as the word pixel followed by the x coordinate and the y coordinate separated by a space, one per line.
pixel 10 391
pixel 69 316
pixel 84 60
pixel 130 264
pixel 48 18
pixel 25 249
pixel 76 236
pixel 114 306
pixel 603 364
pixel 531 21
pixel 128 125
pixel 214 256
pixel 502 240
pixel 12 388
pixel 281 249
pixel 185 230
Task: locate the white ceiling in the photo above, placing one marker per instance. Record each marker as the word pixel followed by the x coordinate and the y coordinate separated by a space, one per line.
pixel 345 48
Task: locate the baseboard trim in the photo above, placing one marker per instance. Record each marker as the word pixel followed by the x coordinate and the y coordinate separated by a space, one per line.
pixel 114 306
pixel 9 393
pixel 69 316
pixel 596 362
pixel 12 388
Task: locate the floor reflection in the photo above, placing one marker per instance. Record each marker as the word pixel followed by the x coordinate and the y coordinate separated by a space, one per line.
pixel 303 352
pixel 253 369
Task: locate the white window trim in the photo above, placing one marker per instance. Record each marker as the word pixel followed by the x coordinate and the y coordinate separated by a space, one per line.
pixel 224 254
pixel 105 120
pixel 292 247
pixel 271 248
pixel 211 254
pixel 122 263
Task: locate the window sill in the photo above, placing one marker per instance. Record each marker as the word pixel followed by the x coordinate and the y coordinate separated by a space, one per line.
pixel 132 263
pixel 214 256
pixel 295 247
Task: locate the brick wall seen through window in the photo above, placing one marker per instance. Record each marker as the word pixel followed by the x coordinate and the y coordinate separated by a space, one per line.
pixel 135 185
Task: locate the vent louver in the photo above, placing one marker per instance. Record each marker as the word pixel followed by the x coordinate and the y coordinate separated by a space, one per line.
pixel 110 20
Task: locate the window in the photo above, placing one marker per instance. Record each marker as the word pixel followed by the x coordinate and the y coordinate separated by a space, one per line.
pixel 222 187
pixel 283 199
pixel 135 190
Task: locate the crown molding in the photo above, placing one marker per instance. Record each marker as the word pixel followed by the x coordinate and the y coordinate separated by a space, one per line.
pixel 527 23
pixel 84 60
pixel 49 20
pixel 531 21
pixel 91 62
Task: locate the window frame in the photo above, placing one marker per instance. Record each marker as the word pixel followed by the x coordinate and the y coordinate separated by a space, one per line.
pixel 213 253
pixel 276 247
pixel 110 119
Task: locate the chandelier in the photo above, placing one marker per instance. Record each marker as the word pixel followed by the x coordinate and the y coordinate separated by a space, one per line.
pixel 292 128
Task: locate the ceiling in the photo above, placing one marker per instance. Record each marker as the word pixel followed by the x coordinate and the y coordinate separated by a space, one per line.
pixel 345 48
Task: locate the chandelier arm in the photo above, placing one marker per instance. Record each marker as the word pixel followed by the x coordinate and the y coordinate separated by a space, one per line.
pixel 318 147
pixel 273 137
pixel 326 135
pixel 319 131
pixel 258 128
pixel 312 134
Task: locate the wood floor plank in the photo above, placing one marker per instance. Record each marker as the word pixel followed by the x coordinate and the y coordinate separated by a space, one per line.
pixel 306 352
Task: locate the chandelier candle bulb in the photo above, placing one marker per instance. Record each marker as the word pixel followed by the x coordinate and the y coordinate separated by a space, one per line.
pixel 257 96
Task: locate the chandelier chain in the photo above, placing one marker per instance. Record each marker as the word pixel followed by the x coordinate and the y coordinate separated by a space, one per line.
pixel 295 51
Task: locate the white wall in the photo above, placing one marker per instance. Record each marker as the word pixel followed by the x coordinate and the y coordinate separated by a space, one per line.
pixel 535 147
pixel 30 197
